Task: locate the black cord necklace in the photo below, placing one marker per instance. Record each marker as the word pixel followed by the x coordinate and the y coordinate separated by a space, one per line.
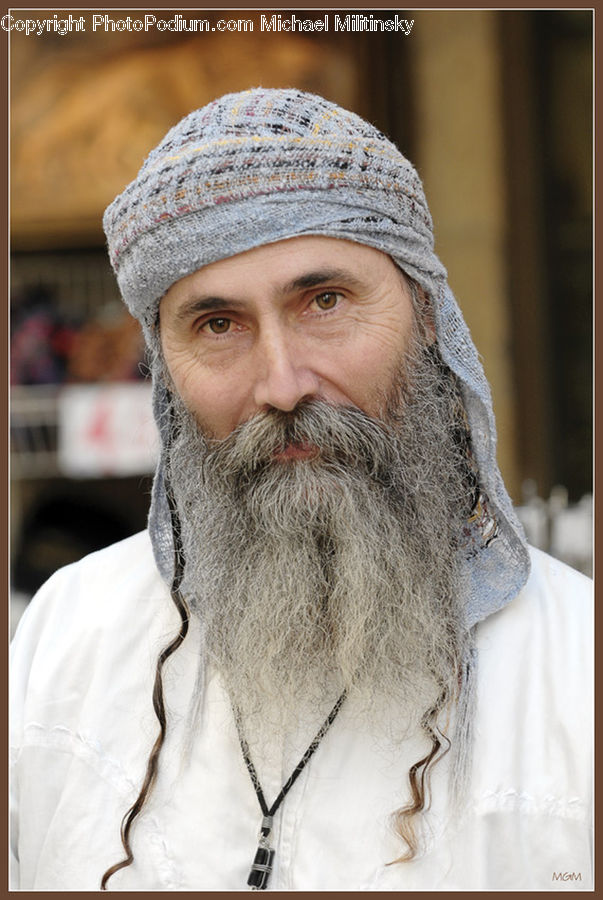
pixel 262 863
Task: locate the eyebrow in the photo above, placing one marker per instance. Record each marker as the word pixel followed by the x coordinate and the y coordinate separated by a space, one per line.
pixel 321 276
pixel 198 305
pixel 205 304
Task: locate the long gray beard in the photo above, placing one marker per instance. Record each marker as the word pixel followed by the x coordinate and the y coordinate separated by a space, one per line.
pixel 338 572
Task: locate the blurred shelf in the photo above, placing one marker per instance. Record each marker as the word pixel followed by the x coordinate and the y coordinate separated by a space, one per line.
pixel 82 430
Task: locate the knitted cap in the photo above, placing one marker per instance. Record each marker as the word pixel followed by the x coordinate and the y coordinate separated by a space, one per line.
pixel 264 165
pixel 253 168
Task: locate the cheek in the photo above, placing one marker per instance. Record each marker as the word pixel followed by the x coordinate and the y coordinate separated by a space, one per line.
pixel 378 352
pixel 215 404
pixel 370 365
pixel 212 397
pixel 183 373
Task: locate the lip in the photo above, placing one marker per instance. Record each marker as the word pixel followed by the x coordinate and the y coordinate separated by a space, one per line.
pixel 297 451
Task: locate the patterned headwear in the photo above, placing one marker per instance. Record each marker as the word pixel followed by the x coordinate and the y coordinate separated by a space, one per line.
pixel 264 165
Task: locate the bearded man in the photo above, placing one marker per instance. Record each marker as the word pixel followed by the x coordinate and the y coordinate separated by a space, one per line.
pixel 331 662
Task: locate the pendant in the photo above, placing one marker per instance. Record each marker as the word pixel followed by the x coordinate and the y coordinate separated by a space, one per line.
pixel 262 862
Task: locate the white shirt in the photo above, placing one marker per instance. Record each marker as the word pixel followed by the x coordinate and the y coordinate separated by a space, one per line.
pixel 83 725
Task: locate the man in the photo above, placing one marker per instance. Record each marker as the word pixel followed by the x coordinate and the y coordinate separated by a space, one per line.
pixel 331 662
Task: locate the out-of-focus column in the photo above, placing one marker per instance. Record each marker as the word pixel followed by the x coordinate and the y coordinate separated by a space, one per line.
pixel 459 141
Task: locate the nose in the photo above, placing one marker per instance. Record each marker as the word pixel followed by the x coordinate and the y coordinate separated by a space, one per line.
pixel 283 377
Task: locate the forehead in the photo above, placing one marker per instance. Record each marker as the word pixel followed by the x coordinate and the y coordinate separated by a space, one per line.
pixel 292 264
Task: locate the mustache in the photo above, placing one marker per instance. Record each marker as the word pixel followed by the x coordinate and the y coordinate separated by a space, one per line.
pixel 343 435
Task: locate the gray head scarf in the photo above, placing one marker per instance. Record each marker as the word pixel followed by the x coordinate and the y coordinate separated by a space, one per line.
pixel 264 165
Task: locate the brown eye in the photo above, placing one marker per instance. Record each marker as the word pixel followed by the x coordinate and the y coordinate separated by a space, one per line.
pixel 219 326
pixel 327 301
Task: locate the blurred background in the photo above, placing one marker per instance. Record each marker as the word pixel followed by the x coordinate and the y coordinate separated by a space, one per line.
pixel 495 110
